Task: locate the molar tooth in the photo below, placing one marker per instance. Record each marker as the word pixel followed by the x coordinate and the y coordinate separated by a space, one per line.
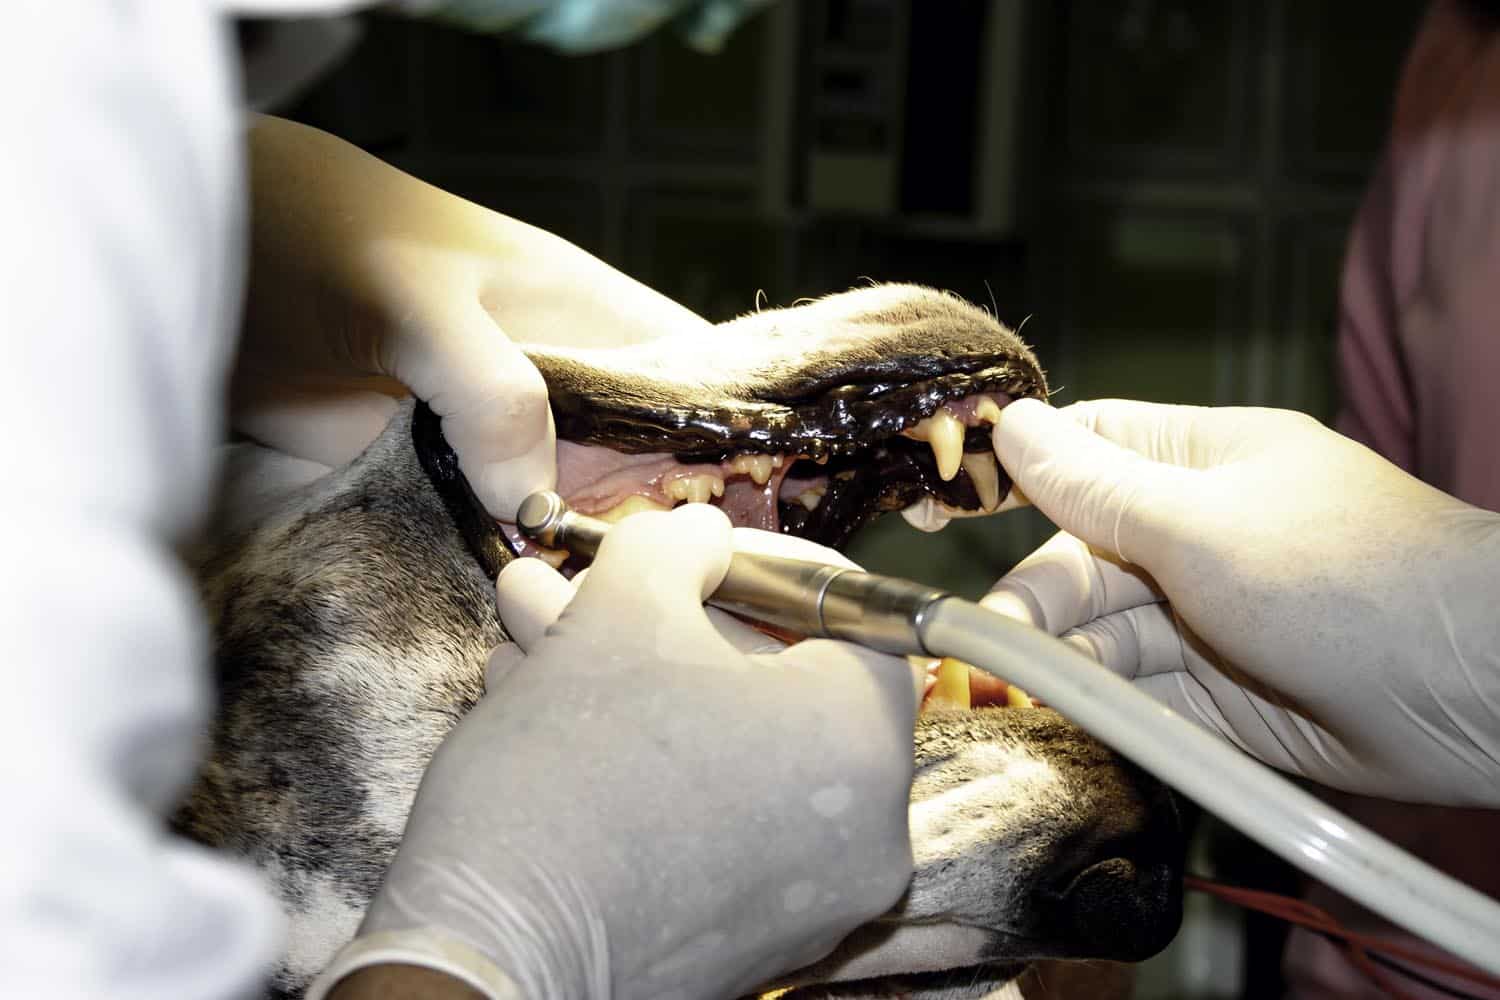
pixel 985 474
pixel 811 498
pixel 946 438
pixel 987 410
pixel 633 504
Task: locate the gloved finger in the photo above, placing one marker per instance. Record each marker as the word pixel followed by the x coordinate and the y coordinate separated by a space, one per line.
pixel 325 423
pixel 654 566
pixel 1066 583
pixel 503 659
pixel 741 635
pixel 491 398
pixel 1110 496
pixel 1136 642
pixel 898 680
pixel 1260 728
pixel 1159 432
pixel 771 543
pixel 530 595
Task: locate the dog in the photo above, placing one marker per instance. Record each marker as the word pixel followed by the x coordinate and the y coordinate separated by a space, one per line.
pixel 353 612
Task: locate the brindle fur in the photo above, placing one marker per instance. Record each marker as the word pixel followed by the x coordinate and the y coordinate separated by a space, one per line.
pixel 351 627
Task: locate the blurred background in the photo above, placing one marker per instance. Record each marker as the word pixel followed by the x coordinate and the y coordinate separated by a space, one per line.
pixel 1159 190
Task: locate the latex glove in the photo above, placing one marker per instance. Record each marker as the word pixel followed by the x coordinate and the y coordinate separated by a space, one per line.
pixel 366 283
pixel 578 26
pixel 639 809
pixel 1274 581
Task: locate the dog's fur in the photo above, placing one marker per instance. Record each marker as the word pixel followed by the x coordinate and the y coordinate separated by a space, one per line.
pixel 352 623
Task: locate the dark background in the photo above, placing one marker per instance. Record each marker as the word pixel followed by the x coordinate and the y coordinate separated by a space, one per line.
pixel 1160 189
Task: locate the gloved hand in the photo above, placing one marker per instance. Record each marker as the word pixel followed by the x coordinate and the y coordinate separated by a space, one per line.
pixel 365 283
pixel 637 808
pixel 1274 581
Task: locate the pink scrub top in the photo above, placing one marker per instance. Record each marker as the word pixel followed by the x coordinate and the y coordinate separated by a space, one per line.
pixel 1419 363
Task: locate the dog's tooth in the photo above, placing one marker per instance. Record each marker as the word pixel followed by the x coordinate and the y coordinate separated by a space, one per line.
pixel 946 438
pixel 757 467
pixel 952 687
pixel 696 489
pixel 987 410
pixel 984 472
pixel 633 504
pixel 1016 698
pixel 552 557
pixel 811 498
pixel 676 489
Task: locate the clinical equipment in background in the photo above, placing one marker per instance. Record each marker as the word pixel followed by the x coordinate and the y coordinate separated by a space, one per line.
pixel 899 616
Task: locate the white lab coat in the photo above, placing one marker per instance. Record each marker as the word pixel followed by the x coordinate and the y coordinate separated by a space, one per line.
pixel 121 257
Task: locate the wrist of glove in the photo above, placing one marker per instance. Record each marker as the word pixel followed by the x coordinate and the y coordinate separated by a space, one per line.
pixel 429 948
pixel 1273 581
pixel 639 807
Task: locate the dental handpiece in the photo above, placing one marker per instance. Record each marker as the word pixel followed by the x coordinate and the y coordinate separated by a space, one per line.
pixel 808 598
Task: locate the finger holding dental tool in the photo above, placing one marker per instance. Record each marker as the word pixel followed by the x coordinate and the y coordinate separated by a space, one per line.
pixel 721 818
pixel 1272 580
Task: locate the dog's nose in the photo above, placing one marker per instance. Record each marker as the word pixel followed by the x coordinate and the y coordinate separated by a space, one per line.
pixel 1117 891
pixel 1126 907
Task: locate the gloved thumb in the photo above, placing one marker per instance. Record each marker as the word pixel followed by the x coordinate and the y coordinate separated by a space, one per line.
pixel 657 567
pixel 1112 498
pixel 492 401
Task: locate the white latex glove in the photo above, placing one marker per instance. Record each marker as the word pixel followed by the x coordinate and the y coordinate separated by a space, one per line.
pixel 366 283
pixel 1328 613
pixel 639 809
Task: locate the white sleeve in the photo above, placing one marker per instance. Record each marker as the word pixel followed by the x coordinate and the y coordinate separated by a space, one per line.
pixel 120 256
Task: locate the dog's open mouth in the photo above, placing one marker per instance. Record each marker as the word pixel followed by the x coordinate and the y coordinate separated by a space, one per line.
pixel 809 420
pixel 824 497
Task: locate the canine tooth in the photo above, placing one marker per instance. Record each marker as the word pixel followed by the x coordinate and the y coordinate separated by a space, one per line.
pixel 1016 698
pixel 952 688
pixel 987 410
pixel 926 515
pixel 633 504
pixel 985 474
pixel 945 435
